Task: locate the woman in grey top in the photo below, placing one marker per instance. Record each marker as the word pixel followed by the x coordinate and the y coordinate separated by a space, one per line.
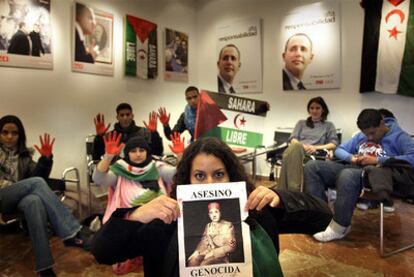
pixel 308 138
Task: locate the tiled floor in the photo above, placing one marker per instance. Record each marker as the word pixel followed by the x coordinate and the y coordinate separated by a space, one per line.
pixel 356 255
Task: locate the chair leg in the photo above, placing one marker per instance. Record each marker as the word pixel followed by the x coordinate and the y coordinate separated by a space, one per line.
pixel 385 254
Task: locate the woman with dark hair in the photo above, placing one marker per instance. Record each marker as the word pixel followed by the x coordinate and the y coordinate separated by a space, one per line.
pixel 22 192
pixel 312 136
pixel 151 229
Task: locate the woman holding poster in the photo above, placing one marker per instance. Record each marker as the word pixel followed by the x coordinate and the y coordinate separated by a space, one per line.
pixel 151 229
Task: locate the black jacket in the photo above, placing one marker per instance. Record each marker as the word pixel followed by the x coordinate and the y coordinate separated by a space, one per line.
pixel 121 239
pixel 179 127
pixel 153 138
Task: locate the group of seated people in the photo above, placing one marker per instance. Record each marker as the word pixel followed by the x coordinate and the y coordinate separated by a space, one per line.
pixel 140 219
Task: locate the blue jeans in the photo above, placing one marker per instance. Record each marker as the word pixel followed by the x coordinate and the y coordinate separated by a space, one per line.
pixel 346 179
pixel 33 197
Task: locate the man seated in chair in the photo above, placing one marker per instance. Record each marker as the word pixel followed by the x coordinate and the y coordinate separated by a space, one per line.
pixel 380 148
pixel 127 127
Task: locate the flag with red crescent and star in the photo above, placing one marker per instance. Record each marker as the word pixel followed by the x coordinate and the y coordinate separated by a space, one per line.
pixel 236 120
pixel 388 47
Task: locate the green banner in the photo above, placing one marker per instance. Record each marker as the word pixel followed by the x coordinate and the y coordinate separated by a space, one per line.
pixel 236 137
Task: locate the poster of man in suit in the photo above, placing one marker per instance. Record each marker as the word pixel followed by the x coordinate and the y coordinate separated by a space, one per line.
pixel 92 40
pixel 311 48
pixel 25 34
pixel 239 57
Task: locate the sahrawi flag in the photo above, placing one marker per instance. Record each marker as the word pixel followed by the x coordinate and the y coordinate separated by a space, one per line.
pixel 245 118
pixel 140 48
pixel 388 47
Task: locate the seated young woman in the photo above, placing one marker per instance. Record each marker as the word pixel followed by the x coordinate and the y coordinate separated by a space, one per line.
pixel 22 192
pixel 151 230
pixel 308 138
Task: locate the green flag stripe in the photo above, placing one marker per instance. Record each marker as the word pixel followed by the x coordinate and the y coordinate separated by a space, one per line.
pixel 236 137
pixel 130 49
pixel 406 82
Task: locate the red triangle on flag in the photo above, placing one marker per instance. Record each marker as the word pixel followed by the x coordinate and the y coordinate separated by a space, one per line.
pixel 208 115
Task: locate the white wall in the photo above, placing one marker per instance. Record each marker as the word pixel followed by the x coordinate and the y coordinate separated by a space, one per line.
pixel 288 107
pixel 64 103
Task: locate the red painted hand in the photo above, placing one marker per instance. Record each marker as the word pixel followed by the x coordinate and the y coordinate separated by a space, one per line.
pixel 178 144
pixel 112 143
pixel 152 122
pixel 46 146
pixel 99 121
pixel 162 115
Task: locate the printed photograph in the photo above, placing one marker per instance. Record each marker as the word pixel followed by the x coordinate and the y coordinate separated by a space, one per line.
pixel 214 235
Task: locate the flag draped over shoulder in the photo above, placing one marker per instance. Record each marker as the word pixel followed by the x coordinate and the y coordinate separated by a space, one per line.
pixel 388 47
pixel 208 116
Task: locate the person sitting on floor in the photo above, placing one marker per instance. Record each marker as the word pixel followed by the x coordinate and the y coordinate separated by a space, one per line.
pixel 151 229
pixel 134 180
pixel 375 149
pixel 23 189
pixel 127 128
pixel 310 137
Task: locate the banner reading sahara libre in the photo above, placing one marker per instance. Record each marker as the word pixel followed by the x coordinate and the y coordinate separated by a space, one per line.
pixel 245 120
pixel 244 75
pixel 313 29
pixel 26 34
pixel 176 56
pixel 141 52
pixel 388 47
pixel 214 209
pixel 92 45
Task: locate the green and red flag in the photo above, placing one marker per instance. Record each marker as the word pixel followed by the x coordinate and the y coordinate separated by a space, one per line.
pixel 245 118
pixel 141 54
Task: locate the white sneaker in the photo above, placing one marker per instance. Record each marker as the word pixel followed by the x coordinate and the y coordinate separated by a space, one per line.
pixel 389 209
pixel 330 234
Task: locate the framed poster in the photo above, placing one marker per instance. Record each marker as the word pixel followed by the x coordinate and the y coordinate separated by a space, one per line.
pixel 311 47
pixel 239 57
pixel 213 238
pixel 141 51
pixel 25 34
pixel 176 56
pixel 92 41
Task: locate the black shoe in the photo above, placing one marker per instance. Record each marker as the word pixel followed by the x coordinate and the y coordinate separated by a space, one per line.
pixel 47 273
pixel 83 239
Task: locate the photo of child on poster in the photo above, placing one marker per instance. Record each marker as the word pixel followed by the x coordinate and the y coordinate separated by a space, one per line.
pixel 92 40
pixel 25 34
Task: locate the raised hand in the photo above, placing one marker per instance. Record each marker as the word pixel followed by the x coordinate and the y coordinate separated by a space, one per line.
pixel 162 115
pixel 112 143
pixel 99 121
pixel 46 147
pixel 177 144
pixel 152 122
